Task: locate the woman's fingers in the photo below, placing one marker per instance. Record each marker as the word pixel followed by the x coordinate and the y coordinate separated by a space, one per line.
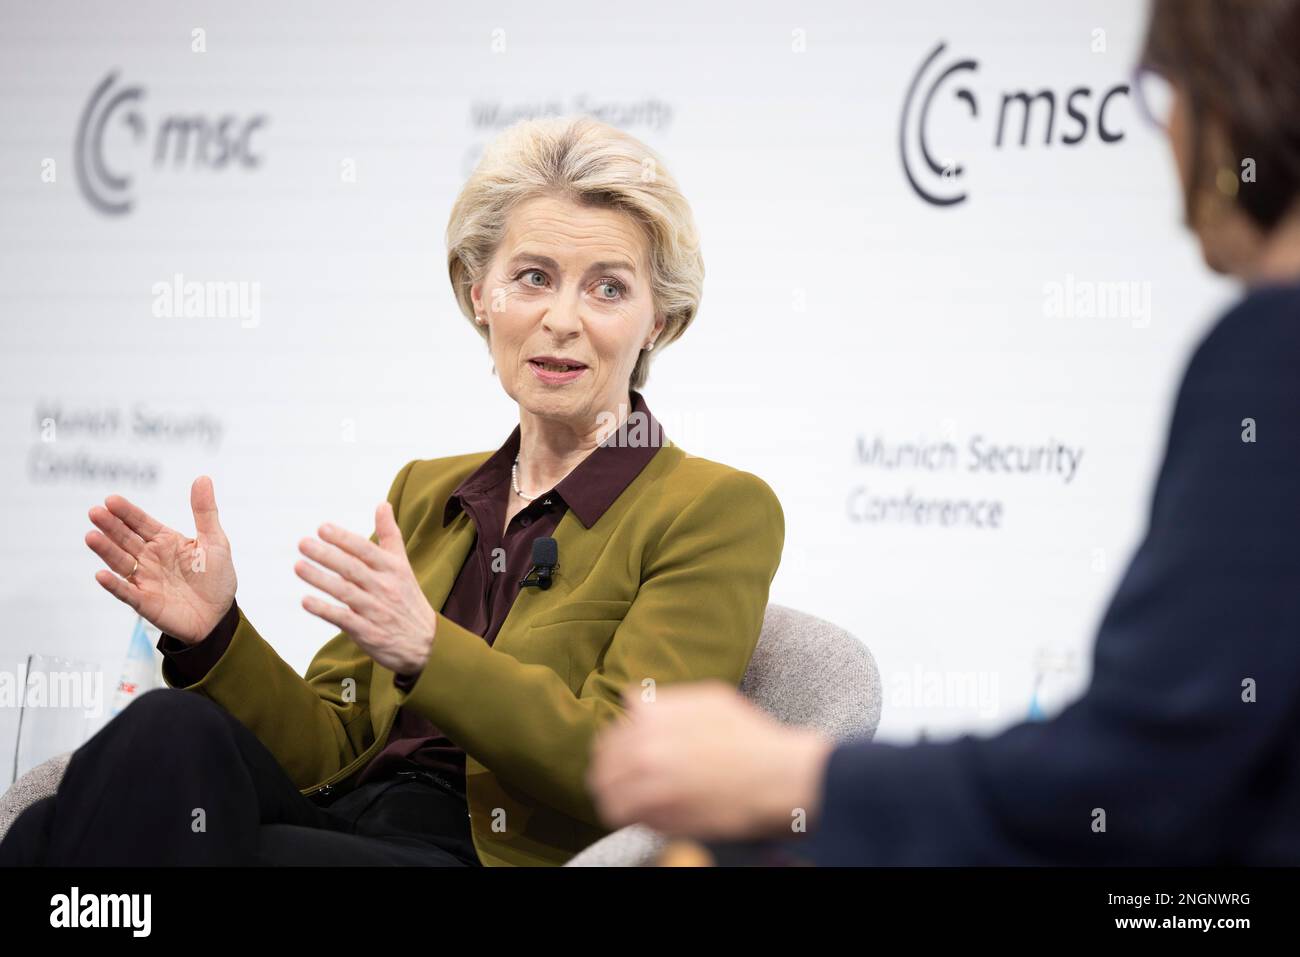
pixel 357 599
pixel 116 530
pixel 114 557
pixel 337 560
pixel 363 548
pixel 344 619
pixel 135 518
pixel 120 589
pixel 203 503
pixel 386 530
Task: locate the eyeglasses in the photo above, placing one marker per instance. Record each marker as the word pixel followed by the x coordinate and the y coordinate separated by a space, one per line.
pixel 1154 96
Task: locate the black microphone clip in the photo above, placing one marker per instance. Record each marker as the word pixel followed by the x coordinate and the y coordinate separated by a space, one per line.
pixel 546 558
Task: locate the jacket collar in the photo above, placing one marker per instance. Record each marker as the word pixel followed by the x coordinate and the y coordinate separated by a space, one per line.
pixel 594 484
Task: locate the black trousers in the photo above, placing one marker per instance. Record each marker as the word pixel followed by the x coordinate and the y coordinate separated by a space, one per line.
pixel 175 779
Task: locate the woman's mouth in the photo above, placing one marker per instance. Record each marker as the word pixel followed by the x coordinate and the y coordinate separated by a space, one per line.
pixel 556 371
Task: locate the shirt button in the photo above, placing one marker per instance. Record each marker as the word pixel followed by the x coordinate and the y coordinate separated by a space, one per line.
pixel 525 521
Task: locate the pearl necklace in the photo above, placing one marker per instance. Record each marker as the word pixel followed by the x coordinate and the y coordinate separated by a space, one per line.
pixel 514 482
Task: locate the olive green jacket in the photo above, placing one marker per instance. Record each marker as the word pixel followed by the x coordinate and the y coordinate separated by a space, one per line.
pixel 669 585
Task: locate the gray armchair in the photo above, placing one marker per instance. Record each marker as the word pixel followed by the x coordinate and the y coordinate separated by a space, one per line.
pixel 805 671
pixel 37 783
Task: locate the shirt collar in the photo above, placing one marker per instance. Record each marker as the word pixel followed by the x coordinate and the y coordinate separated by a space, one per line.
pixel 599 479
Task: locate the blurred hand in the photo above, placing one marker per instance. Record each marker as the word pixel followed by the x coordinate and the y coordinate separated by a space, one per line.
pixel 386 612
pixel 701 761
pixel 182 585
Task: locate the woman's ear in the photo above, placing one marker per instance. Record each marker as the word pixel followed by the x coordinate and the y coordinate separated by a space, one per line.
pixel 476 297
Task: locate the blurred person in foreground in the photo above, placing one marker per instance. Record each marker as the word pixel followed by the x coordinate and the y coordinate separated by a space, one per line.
pixel 449 722
pixel 1184 748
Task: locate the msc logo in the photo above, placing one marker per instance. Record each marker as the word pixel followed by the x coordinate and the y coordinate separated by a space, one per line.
pixel 939 180
pixel 183 140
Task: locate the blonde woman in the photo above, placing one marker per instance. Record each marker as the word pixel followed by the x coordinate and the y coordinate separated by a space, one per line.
pixel 451 718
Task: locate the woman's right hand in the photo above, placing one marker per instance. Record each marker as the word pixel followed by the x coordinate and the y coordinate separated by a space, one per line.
pixel 183 586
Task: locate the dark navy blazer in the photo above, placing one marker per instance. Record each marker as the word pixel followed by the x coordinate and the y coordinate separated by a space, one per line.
pixel 1167 742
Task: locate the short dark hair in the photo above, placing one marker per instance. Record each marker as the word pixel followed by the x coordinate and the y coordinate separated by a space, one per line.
pixel 1238 64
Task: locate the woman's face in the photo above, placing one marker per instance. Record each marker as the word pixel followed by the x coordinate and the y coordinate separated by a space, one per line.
pixel 568 308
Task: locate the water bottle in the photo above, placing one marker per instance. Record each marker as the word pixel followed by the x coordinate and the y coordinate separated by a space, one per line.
pixel 142 670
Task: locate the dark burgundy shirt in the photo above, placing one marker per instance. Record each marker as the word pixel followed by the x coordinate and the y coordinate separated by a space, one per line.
pixel 481 598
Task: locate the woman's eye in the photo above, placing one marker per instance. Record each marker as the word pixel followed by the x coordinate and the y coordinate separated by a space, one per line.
pixel 527 275
pixel 614 287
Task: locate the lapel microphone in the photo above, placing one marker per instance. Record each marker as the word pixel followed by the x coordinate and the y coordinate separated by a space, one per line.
pixel 546 558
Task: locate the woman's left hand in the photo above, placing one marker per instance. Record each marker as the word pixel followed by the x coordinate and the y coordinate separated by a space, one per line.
pixel 386 612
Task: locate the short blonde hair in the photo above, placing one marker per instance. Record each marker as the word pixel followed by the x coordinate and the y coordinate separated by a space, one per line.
pixel 590 162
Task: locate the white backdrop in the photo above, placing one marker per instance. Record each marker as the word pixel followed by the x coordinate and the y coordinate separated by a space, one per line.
pixel 844 315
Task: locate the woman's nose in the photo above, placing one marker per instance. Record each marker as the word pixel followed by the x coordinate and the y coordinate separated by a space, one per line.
pixel 563 317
